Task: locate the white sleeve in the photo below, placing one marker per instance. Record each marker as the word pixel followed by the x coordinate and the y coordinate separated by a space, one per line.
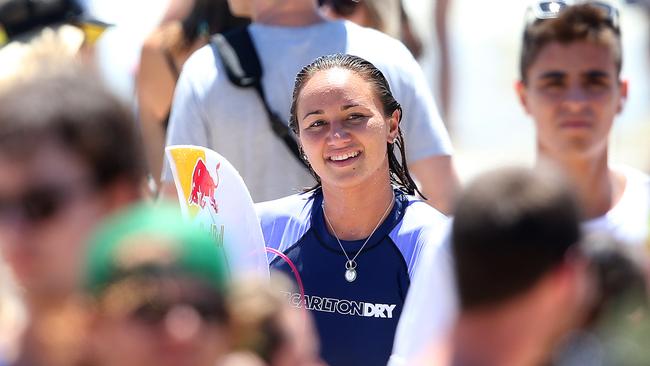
pixel 424 132
pixel 188 122
pixel 430 308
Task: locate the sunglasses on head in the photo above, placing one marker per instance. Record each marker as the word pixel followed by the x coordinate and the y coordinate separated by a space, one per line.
pixel 40 202
pixel 552 9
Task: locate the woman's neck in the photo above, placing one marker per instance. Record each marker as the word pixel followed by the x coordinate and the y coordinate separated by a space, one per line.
pixel 354 213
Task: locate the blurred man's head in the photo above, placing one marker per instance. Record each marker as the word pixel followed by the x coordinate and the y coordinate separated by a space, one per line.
pixel 69 155
pixel 265 324
pixel 512 227
pixel 38 37
pixel 570 82
pixel 158 292
pixel 520 274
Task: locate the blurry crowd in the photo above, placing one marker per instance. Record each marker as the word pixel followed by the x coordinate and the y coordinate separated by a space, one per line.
pixel 394 263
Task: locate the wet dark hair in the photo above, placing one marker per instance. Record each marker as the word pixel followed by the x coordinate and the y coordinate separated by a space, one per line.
pixel 76 111
pixel 583 22
pixel 399 173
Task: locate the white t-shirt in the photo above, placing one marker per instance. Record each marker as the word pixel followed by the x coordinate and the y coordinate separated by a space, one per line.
pixel 628 220
pixel 431 305
pixel 210 111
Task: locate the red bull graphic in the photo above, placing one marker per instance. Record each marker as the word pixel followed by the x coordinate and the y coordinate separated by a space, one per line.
pixel 206 182
pixel 203 185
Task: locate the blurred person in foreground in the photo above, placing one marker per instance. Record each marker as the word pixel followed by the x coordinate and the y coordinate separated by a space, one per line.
pixel 41 37
pixel 208 110
pixel 157 291
pixel 616 326
pixel 571 87
pixel 162 57
pixel 522 279
pixel 12 315
pixel 266 326
pixel 69 156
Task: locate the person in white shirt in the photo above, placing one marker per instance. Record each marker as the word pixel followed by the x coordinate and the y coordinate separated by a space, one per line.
pixel 208 110
pixel 572 88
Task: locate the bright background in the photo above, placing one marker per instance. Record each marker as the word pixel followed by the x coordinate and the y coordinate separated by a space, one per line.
pixel 489 127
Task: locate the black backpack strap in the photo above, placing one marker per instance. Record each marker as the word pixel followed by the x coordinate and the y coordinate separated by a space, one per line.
pixel 238 55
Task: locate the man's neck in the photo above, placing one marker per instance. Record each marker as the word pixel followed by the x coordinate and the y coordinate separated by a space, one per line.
pixel 597 187
pixel 286 13
pixel 499 338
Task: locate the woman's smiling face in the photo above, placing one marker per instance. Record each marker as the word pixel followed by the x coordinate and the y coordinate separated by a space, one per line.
pixel 342 128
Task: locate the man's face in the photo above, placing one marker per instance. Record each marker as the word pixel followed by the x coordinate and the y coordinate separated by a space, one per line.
pixel 48 207
pixel 175 327
pixel 573 94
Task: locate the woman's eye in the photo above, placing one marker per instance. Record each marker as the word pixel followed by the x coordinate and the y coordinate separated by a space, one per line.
pixel 317 123
pixel 355 116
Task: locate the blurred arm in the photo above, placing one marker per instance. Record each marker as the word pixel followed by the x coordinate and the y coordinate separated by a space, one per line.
pixel 438 181
pixel 155 84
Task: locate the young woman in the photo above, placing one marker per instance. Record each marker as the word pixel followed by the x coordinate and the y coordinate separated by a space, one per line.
pixel 356 236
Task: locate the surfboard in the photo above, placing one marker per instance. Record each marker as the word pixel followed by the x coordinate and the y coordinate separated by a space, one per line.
pixel 213 196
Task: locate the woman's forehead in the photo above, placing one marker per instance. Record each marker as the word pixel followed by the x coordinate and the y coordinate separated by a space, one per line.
pixel 336 80
pixel 335 77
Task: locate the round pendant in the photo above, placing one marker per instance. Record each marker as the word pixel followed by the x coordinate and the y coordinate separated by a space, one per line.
pixel 350 275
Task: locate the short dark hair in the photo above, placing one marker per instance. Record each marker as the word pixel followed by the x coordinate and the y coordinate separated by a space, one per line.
pixel 511 227
pixel 76 111
pixel 399 173
pixel 583 22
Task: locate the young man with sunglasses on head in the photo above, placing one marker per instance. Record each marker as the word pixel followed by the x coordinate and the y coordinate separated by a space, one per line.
pixel 69 156
pixel 571 87
pixel 157 292
pixel 208 110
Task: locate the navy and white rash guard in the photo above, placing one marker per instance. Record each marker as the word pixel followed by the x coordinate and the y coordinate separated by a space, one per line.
pixel 355 321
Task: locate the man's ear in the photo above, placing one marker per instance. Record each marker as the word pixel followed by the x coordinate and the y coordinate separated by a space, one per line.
pixel 623 86
pixel 393 125
pixel 520 88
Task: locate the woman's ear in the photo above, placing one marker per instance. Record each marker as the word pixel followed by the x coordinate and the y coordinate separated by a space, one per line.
pixel 393 125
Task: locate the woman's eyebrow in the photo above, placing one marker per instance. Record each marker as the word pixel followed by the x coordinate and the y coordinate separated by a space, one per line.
pixel 348 106
pixel 318 111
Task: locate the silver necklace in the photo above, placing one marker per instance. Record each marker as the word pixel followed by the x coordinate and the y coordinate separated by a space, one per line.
pixel 351 264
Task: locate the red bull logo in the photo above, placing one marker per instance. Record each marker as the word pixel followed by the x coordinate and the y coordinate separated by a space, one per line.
pixel 203 185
